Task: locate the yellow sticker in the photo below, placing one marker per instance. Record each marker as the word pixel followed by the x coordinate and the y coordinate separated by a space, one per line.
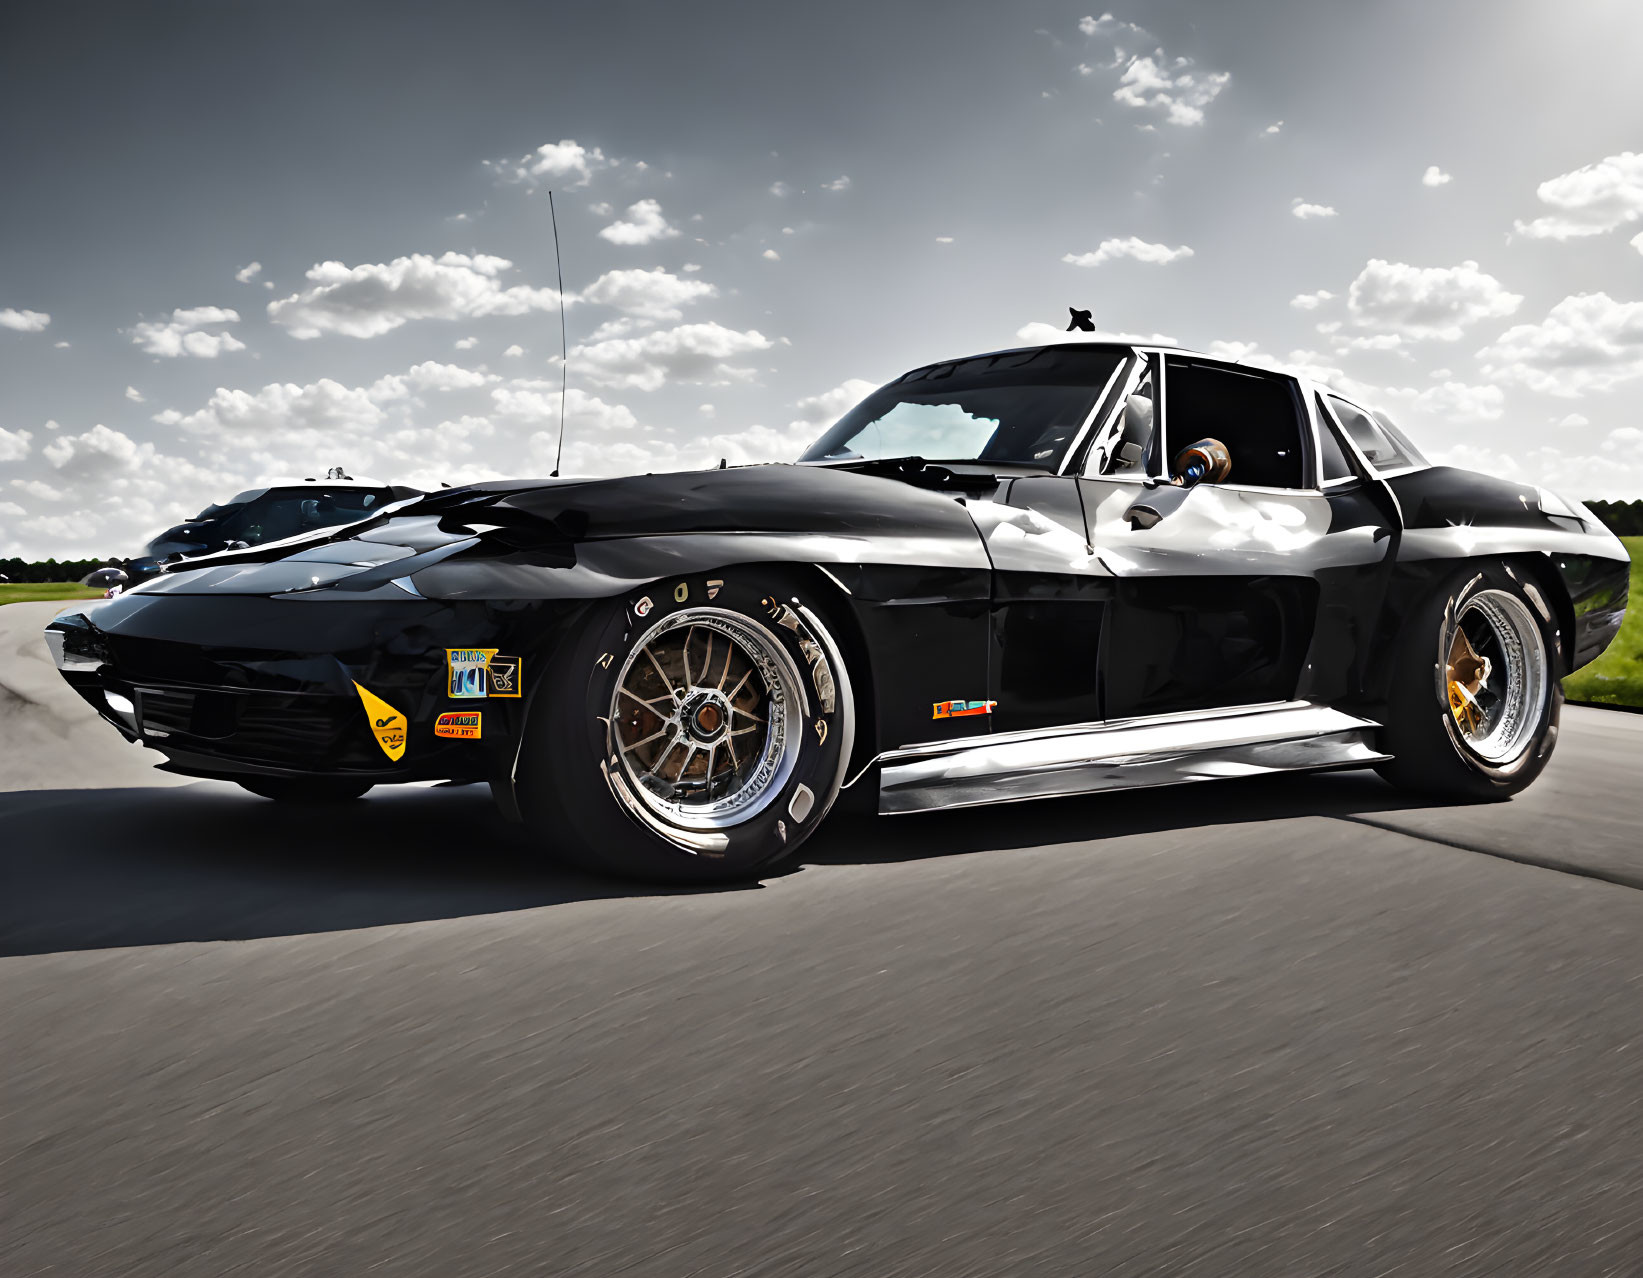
pixel 387 724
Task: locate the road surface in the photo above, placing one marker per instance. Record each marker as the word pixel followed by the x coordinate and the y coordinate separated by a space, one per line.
pixel 1284 1026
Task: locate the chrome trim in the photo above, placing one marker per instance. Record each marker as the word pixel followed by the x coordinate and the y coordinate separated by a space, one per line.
pixel 1126 754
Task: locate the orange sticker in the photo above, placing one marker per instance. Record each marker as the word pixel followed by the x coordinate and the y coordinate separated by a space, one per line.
pixel 463 725
pixel 962 709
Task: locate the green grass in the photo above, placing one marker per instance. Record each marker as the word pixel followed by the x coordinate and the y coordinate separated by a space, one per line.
pixel 35 591
pixel 1616 678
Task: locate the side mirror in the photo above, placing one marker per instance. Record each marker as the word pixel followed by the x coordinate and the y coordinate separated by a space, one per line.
pixel 1207 461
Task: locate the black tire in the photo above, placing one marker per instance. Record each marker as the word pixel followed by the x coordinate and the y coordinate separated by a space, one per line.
pixel 307 789
pixel 1442 751
pixel 590 783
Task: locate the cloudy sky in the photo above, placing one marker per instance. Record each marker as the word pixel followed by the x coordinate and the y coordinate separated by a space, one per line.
pixel 241 241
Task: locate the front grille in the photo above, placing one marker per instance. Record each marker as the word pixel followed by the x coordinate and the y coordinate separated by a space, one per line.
pixel 311 732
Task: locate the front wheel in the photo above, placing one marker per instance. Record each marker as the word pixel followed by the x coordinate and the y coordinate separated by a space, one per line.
pixel 697 731
pixel 1473 712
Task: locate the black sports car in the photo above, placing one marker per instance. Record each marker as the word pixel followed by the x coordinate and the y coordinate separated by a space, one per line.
pixel 1035 572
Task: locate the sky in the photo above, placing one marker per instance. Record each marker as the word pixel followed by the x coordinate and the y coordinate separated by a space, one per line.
pixel 249 241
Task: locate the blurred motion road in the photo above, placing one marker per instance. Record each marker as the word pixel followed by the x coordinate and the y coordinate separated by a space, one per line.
pixel 1284 1026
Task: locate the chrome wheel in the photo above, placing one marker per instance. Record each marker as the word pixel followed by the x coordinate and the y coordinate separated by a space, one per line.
pixel 1495 675
pixel 703 719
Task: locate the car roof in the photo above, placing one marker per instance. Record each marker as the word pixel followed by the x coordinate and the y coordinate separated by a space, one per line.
pixel 1165 348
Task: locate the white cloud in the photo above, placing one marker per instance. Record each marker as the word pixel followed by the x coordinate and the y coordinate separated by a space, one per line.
pixel 691 352
pixel 1591 200
pixel 829 406
pixel 1171 87
pixel 1039 333
pixel 431 375
pixel 1573 420
pixel 1637 241
pixel 98 453
pixel 644 224
pixel 1450 401
pixel 780 190
pixel 1588 342
pixel 466 343
pixel 551 162
pixel 134 395
pixel 1311 301
pixel 375 298
pixel 1301 209
pixel 1434 176
pixel 840 183
pixel 283 407
pixel 586 416
pixel 1438 302
pixel 652 295
pixel 14 444
pixel 770 255
pixel 182 334
pixel 248 272
pixel 944 239
pixel 24 321
pixel 1364 341
pixel 1274 128
pixel 1234 350
pixel 1132 247
pixel 514 351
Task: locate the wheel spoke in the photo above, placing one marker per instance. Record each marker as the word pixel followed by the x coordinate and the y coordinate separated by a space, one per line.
pixel 666 696
pixel 661 674
pixel 730 651
pixel 660 732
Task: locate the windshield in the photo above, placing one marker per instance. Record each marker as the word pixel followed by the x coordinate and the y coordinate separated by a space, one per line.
pixel 1025 407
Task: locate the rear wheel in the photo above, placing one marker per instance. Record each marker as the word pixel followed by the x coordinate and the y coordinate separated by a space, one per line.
pixel 1476 699
pixel 698 739
pixel 306 789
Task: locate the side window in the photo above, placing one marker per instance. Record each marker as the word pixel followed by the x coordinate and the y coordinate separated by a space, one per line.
pixel 1256 415
pixel 1378 447
pixel 1123 448
pixel 1332 459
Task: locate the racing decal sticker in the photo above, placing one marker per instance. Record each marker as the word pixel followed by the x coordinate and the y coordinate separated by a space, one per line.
pixel 681 592
pixel 387 724
pixel 504 675
pixel 643 607
pixel 463 725
pixel 465 671
pixel 962 709
pixel 713 588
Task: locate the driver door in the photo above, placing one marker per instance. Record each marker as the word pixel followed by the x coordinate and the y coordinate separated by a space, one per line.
pixel 1256 589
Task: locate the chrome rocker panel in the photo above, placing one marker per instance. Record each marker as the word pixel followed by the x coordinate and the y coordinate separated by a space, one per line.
pixel 1159 750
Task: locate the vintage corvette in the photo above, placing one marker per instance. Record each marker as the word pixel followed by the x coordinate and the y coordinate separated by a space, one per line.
pixel 1029 573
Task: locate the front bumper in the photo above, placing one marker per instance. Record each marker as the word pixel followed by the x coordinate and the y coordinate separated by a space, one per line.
pixel 253 686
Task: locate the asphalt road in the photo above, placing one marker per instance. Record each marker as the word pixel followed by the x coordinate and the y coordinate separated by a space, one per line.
pixel 1285 1026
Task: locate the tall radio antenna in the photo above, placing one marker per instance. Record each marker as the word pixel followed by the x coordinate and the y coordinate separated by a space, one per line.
pixel 564 352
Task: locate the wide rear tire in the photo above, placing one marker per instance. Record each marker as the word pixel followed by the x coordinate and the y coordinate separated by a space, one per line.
pixel 696 730
pixel 1474 707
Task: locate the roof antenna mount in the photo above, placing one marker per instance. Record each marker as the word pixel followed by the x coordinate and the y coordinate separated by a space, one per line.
pixel 564 352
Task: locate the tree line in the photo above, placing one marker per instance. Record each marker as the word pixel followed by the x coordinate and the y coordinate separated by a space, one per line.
pixel 1624 518
pixel 48 569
